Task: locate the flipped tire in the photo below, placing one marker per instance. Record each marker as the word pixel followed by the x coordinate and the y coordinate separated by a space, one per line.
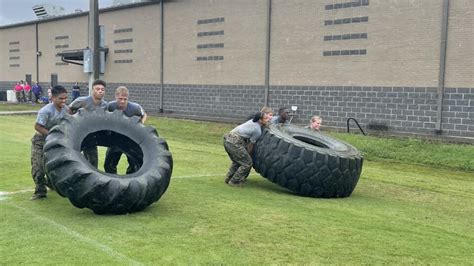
pixel 72 176
pixel 306 162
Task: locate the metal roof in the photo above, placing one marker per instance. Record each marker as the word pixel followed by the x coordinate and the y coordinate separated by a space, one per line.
pixel 79 14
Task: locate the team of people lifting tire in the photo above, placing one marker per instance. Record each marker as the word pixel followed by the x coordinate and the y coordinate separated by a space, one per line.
pixel 302 160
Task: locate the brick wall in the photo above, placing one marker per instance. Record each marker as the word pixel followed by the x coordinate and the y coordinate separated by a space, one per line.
pixel 458 112
pixel 231 102
pixel 401 110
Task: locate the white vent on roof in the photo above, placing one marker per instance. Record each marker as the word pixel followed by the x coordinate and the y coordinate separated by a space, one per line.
pixel 47 10
pixel 127 2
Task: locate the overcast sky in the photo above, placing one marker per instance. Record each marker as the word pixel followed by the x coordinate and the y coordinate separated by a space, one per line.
pixel 15 11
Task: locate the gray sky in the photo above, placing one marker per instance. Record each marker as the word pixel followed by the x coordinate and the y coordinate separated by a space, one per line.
pixel 15 11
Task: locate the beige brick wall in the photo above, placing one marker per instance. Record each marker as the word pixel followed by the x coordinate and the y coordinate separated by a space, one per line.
pixel 244 42
pixel 27 46
pixel 145 24
pixel 460 52
pixel 51 35
pixel 402 44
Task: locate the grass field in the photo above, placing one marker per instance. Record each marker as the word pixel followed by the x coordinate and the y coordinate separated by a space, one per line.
pixel 4 106
pixel 413 205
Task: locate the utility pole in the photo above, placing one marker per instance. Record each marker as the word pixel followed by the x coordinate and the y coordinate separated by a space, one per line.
pixel 94 41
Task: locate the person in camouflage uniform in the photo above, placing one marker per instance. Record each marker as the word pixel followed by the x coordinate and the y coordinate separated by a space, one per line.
pixel 129 109
pixel 238 144
pixel 91 103
pixel 48 116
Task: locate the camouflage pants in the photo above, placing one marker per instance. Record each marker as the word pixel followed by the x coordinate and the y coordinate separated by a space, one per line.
pixel 89 149
pixel 112 158
pixel 236 148
pixel 92 155
pixel 19 96
pixel 37 164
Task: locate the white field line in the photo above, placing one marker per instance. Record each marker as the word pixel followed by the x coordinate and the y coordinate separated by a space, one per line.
pixel 6 193
pixel 195 176
pixel 102 247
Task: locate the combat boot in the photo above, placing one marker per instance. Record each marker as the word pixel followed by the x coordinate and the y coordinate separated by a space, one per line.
pixel 37 196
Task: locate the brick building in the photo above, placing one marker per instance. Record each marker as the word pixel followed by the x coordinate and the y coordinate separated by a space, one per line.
pixel 403 66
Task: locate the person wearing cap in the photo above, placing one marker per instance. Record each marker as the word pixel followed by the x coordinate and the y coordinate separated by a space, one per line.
pixel 238 144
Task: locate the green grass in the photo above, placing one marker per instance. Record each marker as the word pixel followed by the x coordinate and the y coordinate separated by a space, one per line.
pixel 415 151
pixel 20 107
pixel 403 211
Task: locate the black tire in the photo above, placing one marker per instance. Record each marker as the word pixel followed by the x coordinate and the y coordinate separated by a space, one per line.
pixel 72 176
pixel 306 162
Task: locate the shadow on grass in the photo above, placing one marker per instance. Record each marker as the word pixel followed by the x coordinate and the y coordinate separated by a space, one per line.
pixel 265 184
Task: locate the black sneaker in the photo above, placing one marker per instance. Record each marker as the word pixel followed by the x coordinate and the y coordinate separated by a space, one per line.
pixel 38 196
pixel 227 179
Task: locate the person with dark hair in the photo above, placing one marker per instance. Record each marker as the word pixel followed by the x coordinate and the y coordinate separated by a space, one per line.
pixel 129 109
pixel 18 92
pixel 27 90
pixel 48 116
pixel 76 91
pixel 282 117
pixel 23 96
pixel 37 91
pixel 91 103
pixel 238 144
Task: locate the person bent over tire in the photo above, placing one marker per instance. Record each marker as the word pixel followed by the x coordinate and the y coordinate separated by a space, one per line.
pixel 238 144
pixel 236 148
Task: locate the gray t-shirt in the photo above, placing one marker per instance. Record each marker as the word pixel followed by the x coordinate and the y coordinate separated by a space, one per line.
pixel 249 130
pixel 133 109
pixel 276 120
pixel 87 103
pixel 49 116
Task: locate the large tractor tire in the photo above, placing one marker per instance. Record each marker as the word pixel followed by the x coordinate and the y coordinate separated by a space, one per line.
pixel 306 162
pixel 72 176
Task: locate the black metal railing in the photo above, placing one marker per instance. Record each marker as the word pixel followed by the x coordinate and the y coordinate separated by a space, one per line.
pixel 357 123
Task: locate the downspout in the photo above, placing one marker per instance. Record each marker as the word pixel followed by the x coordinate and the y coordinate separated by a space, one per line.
pixel 162 30
pixel 442 64
pixel 38 53
pixel 93 40
pixel 267 56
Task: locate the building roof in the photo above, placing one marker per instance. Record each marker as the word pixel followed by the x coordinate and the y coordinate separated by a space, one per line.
pixel 79 14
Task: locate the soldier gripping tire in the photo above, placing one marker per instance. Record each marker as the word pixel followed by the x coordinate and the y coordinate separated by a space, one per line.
pixel 306 162
pixel 72 176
